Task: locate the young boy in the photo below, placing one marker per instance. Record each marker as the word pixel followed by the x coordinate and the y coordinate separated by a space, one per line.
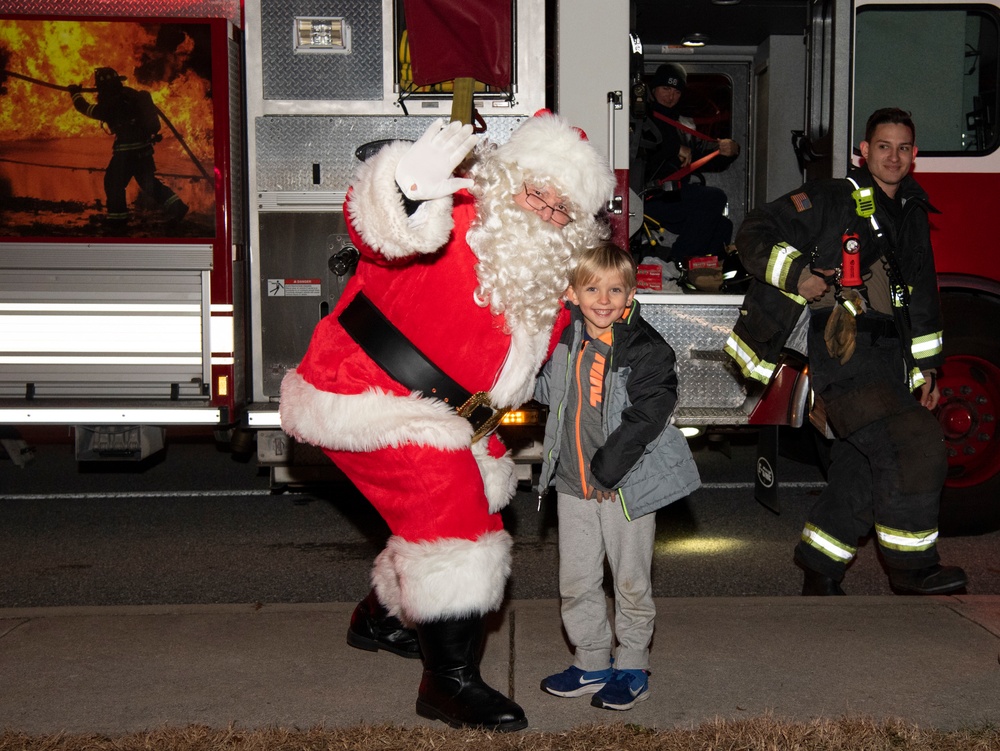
pixel 615 458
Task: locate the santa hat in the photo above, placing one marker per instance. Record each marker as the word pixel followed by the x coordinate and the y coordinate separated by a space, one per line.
pixel 552 153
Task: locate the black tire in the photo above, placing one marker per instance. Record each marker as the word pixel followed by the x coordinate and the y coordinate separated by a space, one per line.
pixel 970 406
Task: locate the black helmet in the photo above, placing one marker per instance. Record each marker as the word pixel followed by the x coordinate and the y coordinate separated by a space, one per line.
pixel 105 77
pixel 670 74
pixel 735 277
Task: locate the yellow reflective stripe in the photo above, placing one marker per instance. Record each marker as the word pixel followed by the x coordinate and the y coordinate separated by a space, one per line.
pixel 927 345
pixel 792 296
pixel 741 353
pixel 780 263
pixel 824 543
pixel 122 147
pixel 764 372
pixel 851 307
pixel 900 539
pixel 917 379
pixel 621 497
pixel 750 365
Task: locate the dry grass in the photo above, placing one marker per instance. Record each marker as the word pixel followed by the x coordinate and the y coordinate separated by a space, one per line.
pixel 761 734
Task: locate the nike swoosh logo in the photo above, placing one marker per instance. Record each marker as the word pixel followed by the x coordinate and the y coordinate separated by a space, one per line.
pixel 585 682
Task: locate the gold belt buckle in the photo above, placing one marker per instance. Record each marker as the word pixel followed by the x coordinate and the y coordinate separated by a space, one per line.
pixel 480 400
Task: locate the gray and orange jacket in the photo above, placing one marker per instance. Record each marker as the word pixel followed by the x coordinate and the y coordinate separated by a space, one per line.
pixel 644 458
pixel 779 240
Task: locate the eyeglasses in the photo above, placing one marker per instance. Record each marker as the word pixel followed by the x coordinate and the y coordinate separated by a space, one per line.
pixel 534 199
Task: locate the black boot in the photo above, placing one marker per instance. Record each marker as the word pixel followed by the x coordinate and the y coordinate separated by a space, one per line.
pixel 930 580
pixel 815 584
pixel 451 689
pixel 372 629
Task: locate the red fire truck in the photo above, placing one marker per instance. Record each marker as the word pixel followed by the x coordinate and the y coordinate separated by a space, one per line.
pixel 122 311
pixel 124 322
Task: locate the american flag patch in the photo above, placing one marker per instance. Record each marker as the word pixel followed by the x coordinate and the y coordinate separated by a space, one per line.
pixel 802 202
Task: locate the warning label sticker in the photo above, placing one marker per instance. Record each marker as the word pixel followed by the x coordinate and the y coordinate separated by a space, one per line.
pixel 294 287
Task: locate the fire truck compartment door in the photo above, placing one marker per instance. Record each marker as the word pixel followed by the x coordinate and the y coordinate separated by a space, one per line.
pixel 123 320
pixel 302 275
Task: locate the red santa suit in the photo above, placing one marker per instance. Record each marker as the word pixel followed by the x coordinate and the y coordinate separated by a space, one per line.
pixel 409 452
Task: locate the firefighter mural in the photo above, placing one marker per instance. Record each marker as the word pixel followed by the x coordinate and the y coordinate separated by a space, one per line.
pixel 105 129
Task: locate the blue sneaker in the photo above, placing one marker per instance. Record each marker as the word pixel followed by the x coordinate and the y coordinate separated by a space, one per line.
pixel 623 691
pixel 575 682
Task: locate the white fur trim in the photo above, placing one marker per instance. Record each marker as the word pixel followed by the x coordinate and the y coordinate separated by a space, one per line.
pixel 377 213
pixel 368 421
pixel 516 383
pixel 447 578
pixel 499 479
pixel 548 150
pixel 385 582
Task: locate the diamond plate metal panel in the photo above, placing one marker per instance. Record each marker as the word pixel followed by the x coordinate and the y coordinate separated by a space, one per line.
pixel 237 170
pixel 356 76
pixel 229 9
pixel 709 393
pixel 288 146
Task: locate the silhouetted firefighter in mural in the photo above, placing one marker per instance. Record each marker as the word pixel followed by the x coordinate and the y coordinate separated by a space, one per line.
pixel 134 121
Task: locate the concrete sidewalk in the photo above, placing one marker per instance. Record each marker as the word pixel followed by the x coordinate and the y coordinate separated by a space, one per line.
pixel 933 661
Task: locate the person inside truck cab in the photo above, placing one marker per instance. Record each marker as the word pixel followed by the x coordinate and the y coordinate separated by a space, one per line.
pixel 454 306
pixel 669 153
pixel 850 260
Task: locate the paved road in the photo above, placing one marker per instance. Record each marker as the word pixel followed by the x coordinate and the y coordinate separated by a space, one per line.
pixel 199 528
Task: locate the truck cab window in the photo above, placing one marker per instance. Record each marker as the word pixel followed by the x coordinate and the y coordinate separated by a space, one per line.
pixel 941 63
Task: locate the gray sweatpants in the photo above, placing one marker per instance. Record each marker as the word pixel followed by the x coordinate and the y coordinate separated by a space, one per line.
pixel 588 532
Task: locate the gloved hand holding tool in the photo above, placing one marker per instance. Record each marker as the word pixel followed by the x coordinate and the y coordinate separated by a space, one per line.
pixel 841 330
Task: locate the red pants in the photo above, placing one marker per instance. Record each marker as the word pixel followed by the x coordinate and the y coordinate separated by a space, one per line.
pixel 422 492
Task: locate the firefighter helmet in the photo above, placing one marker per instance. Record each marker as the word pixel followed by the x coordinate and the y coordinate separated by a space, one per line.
pixel 104 77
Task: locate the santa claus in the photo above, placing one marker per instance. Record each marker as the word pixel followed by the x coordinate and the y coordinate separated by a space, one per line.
pixel 452 310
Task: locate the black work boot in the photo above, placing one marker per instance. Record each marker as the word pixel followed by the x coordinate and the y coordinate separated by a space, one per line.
pixel 372 629
pixel 815 584
pixel 930 580
pixel 451 689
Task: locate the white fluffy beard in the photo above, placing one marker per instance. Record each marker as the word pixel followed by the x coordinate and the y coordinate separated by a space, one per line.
pixel 524 261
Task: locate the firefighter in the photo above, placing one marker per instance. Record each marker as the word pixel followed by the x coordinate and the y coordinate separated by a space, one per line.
pixel 132 118
pixel 453 307
pixel 850 262
pixel 695 212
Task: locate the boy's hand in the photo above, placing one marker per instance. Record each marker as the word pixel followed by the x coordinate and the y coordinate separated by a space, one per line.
pixel 604 495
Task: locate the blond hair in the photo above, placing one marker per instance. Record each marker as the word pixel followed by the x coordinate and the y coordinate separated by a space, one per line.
pixel 606 257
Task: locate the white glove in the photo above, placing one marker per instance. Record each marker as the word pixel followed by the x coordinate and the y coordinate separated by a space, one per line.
pixel 425 171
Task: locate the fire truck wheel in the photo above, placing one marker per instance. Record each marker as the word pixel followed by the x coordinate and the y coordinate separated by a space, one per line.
pixel 968 412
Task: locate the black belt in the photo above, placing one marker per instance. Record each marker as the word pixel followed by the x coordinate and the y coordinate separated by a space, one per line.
pixel 400 359
pixel 879 328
